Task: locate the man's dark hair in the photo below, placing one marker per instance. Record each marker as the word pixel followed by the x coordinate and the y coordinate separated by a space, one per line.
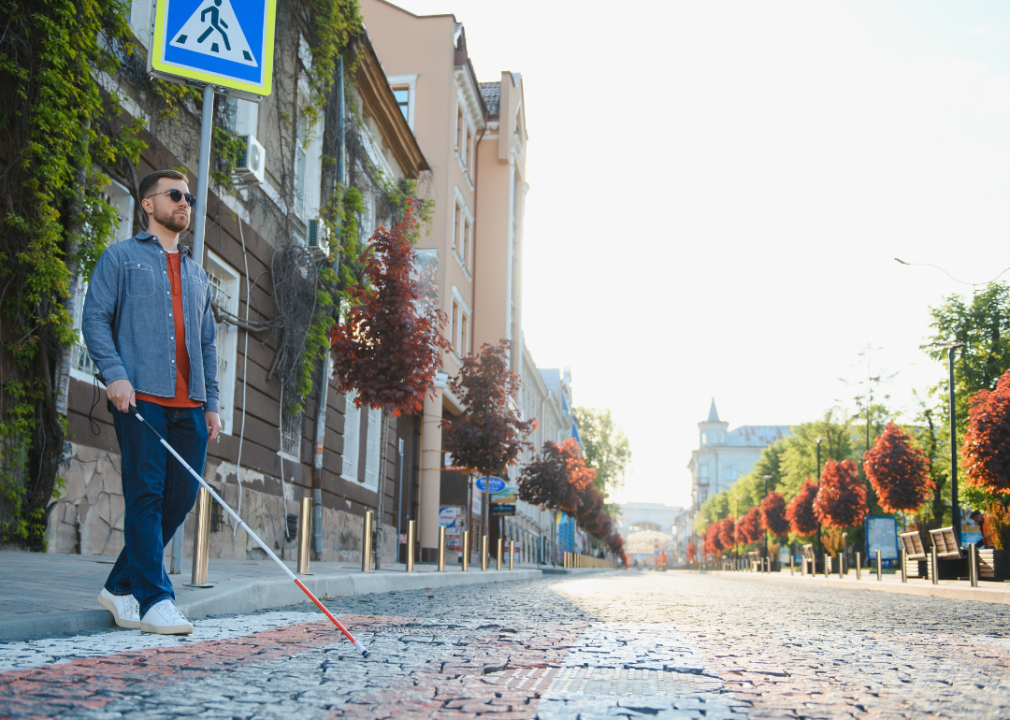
pixel 975 513
pixel 150 181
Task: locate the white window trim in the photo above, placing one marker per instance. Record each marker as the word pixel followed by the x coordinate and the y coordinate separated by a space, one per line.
pixel 411 82
pixel 352 419
pixel 229 350
pixel 373 450
pixel 457 231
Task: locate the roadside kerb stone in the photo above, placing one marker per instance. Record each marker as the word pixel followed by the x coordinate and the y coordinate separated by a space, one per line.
pixel 245 595
pixel 951 590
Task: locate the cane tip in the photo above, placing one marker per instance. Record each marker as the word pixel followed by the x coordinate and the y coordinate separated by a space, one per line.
pixel 364 653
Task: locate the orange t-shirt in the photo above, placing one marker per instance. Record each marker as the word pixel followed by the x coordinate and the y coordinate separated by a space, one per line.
pixel 181 398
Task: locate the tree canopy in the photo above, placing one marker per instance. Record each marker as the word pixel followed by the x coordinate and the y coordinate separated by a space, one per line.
pixel 607 450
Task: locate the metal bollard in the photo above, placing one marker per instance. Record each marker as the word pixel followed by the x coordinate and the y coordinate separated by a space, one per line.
pixel 859 566
pixel 826 558
pixel 936 569
pixel 792 563
pixel 366 543
pixel 304 534
pixel 441 549
pixel 466 550
pixel 483 554
pixel 201 540
pixel 512 554
pixel 500 544
pixel 904 569
pixel 973 565
pixel 841 565
pixel 880 568
pixel 411 530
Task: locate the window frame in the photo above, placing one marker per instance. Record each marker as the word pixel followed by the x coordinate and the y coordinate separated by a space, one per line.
pixel 227 351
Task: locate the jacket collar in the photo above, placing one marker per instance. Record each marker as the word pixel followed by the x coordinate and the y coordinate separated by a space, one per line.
pixel 145 236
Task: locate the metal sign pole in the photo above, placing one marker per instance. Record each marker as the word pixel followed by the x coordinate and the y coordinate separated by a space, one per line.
pixel 203 173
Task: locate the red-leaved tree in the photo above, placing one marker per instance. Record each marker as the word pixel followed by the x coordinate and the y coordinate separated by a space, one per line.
pixel 773 514
pixel 490 434
pixel 555 478
pixel 752 526
pixel 710 540
pixel 800 512
pixel 841 497
pixel 727 536
pixel 692 551
pixel 986 443
pixel 898 471
pixel 389 347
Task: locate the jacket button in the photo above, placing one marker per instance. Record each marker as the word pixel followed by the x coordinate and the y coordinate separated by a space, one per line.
pixel 173 362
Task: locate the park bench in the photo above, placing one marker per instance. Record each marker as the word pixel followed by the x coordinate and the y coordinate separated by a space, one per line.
pixel 915 554
pixel 950 558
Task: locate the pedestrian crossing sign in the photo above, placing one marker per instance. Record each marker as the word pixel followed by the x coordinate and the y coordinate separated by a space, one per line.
pixel 225 43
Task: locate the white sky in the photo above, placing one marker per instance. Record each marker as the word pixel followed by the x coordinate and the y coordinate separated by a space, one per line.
pixel 718 190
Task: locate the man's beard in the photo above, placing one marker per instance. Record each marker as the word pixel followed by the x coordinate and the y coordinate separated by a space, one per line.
pixel 170 221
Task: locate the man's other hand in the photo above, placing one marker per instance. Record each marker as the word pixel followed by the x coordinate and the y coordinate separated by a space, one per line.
pixel 121 395
pixel 213 425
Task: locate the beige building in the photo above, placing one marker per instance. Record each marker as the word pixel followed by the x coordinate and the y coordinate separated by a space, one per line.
pixel 473 137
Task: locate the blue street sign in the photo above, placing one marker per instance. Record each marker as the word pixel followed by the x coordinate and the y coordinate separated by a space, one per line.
pixel 497 484
pixel 225 43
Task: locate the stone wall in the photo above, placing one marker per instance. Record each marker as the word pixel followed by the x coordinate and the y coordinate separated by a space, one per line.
pixel 88 517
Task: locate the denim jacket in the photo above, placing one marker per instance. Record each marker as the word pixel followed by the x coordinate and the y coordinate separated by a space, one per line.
pixel 128 326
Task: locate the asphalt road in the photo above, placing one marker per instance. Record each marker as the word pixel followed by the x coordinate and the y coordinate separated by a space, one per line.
pixel 663 645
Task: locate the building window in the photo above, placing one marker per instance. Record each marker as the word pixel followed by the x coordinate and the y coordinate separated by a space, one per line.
pixel 457 224
pixel 464 333
pixel 402 95
pixel 352 425
pixel 460 124
pixel 121 201
pixel 224 292
pixel 703 471
pixel 373 448
pixel 454 326
pixel 465 243
pixel 291 435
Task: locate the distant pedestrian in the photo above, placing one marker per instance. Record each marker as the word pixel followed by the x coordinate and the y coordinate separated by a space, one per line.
pixel 149 329
pixel 983 527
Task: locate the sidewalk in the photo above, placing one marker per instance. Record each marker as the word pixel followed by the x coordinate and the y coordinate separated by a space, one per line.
pixel 994 592
pixel 45 594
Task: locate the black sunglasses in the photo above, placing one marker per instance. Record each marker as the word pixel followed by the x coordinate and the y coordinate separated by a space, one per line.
pixel 176 196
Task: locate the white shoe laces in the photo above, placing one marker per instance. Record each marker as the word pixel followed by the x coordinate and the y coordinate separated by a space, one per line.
pixel 170 612
pixel 131 607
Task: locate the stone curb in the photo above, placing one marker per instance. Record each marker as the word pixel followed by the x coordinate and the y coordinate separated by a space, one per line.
pixel 999 594
pixel 235 597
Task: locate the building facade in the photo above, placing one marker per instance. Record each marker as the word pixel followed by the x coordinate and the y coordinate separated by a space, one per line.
pixel 268 456
pixel 724 455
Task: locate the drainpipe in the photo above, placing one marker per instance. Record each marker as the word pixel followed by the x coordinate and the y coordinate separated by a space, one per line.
pixel 473 249
pixel 324 380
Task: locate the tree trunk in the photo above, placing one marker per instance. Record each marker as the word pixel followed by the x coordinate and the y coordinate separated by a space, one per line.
pixel 377 543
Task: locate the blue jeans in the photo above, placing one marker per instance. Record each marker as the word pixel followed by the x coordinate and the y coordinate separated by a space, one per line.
pixel 158 493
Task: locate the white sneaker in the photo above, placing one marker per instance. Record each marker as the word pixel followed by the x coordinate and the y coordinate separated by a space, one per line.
pixel 165 619
pixel 124 608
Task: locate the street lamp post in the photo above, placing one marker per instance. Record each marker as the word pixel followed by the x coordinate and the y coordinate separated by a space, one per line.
pixel 819 439
pixel 955 508
pixel 768 560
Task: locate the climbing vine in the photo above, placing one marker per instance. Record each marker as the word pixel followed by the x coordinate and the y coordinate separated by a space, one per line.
pixel 61 132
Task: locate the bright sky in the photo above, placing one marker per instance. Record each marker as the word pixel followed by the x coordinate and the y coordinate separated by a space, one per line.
pixel 718 190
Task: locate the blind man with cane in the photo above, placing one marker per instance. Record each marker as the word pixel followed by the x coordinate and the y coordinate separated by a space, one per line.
pixel 149 328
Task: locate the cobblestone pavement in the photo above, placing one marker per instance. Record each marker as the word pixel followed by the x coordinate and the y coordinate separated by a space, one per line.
pixel 673 645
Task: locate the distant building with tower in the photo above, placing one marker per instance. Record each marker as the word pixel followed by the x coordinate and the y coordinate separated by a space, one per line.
pixel 724 455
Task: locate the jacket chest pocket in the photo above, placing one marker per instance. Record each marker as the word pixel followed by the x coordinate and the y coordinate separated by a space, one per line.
pixel 139 280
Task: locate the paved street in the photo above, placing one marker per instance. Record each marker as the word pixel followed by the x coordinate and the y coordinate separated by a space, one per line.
pixel 673 645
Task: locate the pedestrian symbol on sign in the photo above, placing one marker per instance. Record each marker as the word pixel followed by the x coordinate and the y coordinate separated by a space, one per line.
pixel 214 30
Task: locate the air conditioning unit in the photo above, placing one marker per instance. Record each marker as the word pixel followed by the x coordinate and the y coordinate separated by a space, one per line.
pixel 251 165
pixel 319 239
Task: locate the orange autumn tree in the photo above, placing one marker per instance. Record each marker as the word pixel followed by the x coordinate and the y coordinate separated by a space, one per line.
pixel 773 514
pixel 986 443
pixel 726 533
pixel 390 346
pixel 841 497
pixel 692 551
pixel 898 471
pixel 751 525
pixel 800 512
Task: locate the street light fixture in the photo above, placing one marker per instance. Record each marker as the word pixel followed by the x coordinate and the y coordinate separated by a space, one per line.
pixel 955 507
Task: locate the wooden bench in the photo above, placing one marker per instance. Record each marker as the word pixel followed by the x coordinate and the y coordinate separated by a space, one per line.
pixel 949 556
pixel 809 560
pixel 915 554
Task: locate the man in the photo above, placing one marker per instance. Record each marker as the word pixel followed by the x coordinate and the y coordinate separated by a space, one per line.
pixel 979 519
pixel 150 331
